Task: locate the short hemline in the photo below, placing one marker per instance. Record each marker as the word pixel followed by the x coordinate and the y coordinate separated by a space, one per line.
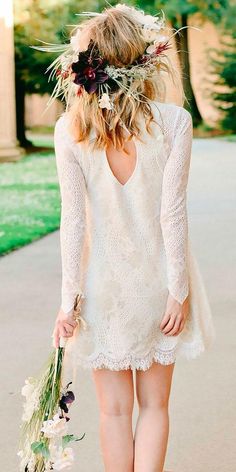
pixel 102 361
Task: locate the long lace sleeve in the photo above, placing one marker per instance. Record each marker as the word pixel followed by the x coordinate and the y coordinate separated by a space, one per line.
pixel 73 218
pixel 174 220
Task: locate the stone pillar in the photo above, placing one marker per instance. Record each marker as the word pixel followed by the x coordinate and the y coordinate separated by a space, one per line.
pixel 9 151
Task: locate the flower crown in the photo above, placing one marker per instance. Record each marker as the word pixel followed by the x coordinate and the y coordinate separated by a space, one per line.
pixel 81 68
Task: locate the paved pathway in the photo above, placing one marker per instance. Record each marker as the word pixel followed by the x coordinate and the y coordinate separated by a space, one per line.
pixel 203 405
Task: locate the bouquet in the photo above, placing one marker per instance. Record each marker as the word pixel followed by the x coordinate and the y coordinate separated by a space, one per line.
pixel 44 438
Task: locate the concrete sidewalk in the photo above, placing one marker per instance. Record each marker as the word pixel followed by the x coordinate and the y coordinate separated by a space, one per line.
pixel 203 405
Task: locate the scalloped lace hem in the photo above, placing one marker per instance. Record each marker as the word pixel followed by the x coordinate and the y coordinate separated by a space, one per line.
pixel 131 362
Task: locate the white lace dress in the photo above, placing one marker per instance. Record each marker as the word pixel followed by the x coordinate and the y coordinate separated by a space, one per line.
pixel 125 246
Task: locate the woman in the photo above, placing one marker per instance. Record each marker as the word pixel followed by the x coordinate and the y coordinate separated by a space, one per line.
pixel 123 158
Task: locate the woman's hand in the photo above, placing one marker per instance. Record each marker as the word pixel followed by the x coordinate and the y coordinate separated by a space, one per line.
pixel 175 316
pixel 64 327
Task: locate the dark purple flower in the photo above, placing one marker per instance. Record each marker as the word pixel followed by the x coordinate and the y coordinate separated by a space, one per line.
pixel 63 406
pixel 142 59
pixel 65 400
pixel 68 397
pixel 89 70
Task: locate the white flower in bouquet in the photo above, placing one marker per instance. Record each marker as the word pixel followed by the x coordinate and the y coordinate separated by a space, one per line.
pixel 29 409
pixel 31 394
pixel 48 423
pixel 104 101
pixel 30 464
pixel 26 459
pixel 28 389
pixel 62 458
pixel 55 428
pixel 48 466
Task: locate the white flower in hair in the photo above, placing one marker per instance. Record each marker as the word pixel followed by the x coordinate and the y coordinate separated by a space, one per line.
pixel 149 35
pixel 161 39
pixel 66 60
pixel 104 101
pixel 80 41
pixel 63 68
pixel 123 7
pixel 149 21
pixel 146 20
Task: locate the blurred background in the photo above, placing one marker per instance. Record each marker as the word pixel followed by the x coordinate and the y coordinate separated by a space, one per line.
pixel 203 427
pixel 206 55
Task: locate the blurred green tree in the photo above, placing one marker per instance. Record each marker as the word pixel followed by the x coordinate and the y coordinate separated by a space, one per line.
pixel 224 65
pixel 45 20
pixel 178 13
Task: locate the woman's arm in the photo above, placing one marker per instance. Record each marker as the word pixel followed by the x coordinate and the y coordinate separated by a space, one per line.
pixel 73 215
pixel 174 220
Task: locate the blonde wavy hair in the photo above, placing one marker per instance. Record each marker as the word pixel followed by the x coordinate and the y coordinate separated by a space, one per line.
pixel 118 37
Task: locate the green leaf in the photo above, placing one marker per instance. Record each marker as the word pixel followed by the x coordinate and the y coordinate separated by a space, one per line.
pixel 70 437
pixel 39 447
pixel 36 447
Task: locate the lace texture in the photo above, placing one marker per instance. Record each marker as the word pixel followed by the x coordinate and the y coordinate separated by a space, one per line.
pixel 174 220
pixel 125 247
pixel 73 216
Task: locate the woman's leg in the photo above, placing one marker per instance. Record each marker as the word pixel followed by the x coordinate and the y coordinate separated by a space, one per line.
pixel 115 394
pixel 152 428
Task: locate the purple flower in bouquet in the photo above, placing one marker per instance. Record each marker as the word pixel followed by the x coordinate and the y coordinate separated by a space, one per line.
pixel 67 398
pixel 44 432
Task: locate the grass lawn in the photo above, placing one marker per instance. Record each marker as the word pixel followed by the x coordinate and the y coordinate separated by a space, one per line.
pixel 231 137
pixel 30 197
pixel 41 137
pixel 30 200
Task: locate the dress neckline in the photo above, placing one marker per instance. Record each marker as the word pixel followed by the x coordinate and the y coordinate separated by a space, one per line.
pixel 132 176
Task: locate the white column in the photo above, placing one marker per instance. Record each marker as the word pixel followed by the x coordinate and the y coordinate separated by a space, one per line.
pixel 9 151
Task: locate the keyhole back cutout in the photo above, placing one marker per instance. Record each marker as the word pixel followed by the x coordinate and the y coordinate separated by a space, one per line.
pixel 122 166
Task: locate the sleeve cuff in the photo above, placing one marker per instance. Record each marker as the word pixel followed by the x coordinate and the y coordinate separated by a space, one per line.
pixel 179 297
pixel 67 305
pixel 67 309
